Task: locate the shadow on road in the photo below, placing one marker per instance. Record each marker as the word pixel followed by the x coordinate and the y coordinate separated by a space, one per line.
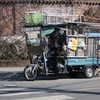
pixel 19 76
pixel 11 76
pixel 64 91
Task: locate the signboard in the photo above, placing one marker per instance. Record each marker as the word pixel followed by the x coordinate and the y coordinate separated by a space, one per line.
pixel 31 29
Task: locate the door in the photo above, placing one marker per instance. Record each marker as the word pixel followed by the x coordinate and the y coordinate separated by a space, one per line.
pixel 33 41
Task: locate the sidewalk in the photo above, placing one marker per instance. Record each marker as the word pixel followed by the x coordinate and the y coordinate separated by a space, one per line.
pixel 11 69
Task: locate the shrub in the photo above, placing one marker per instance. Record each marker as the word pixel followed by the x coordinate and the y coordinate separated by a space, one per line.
pixel 13 49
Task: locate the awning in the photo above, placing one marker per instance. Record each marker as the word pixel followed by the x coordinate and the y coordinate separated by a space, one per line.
pixel 47 30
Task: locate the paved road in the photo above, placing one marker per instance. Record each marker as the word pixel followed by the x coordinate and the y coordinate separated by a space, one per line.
pixel 14 87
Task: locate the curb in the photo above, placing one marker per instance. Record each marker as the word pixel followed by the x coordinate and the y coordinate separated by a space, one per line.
pixel 11 69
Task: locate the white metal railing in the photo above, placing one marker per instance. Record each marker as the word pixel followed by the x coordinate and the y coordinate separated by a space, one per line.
pixel 56 19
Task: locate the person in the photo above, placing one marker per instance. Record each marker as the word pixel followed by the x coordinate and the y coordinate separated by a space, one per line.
pixel 45 41
pixel 45 44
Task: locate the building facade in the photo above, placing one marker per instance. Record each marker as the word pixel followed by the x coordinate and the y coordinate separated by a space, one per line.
pixel 12 11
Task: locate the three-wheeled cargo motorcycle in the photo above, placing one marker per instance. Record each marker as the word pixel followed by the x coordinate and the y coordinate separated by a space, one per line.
pixel 64 48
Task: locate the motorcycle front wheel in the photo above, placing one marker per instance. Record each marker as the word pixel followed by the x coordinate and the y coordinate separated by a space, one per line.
pixel 30 72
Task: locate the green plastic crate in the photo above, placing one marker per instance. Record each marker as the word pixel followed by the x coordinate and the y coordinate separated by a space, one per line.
pixel 32 19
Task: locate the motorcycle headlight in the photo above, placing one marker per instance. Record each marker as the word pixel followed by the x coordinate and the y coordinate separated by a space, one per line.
pixel 34 57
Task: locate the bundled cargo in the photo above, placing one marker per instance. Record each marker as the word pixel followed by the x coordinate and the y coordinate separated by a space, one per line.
pixel 33 18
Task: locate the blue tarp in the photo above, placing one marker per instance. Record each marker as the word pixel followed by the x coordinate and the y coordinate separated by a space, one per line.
pixel 92 34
